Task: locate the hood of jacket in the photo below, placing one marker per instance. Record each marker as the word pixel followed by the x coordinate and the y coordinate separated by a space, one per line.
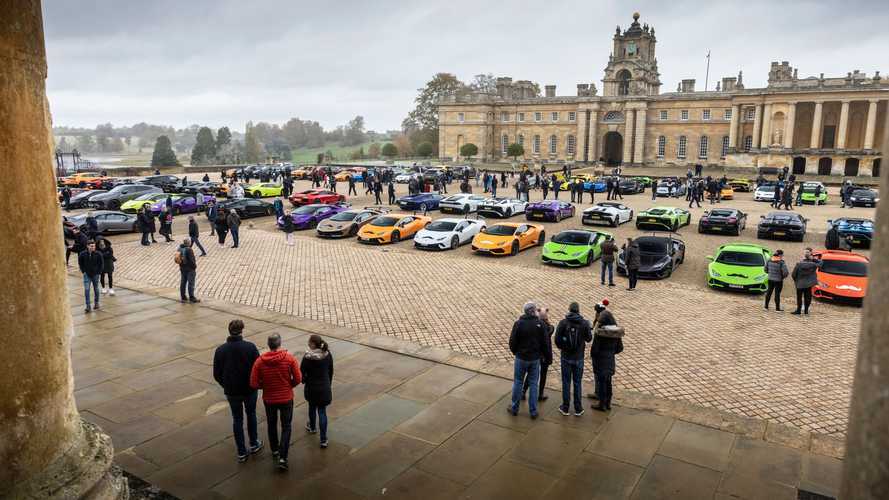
pixel 316 354
pixel 274 357
pixel 574 317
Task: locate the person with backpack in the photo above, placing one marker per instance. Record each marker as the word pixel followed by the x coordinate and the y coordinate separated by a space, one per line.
pixel 277 373
pixel 606 345
pixel 317 376
pixel 546 359
pixel 188 268
pixel 572 334
pixel 232 364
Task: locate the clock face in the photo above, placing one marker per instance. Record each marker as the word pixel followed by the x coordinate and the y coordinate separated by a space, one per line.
pixel 631 48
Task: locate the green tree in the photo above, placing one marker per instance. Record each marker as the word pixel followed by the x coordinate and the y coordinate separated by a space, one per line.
pixel 424 149
pixel 373 151
pixel 354 132
pixel 515 150
pixel 223 137
pixel 425 113
pixel 389 150
pixel 163 155
pixel 204 150
pixel 468 150
pixel 86 144
pixel 358 154
pixel 253 150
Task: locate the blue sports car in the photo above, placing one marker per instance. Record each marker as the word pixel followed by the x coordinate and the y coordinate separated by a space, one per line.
pixel 422 202
pixel 861 230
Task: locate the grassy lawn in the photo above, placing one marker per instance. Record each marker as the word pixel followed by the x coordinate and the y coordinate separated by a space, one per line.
pixel 310 155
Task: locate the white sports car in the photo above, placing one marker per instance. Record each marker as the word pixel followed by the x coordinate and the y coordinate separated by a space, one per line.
pixel 607 212
pixel 766 192
pixel 462 203
pixel 403 178
pixel 444 234
pixel 501 207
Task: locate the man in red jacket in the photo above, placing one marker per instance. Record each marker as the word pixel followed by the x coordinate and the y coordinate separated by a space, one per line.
pixel 276 372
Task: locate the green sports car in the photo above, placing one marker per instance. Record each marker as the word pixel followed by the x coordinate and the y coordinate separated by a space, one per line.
pixel 264 189
pixel 643 180
pixel 814 193
pixel 574 247
pixel 738 266
pixel 668 218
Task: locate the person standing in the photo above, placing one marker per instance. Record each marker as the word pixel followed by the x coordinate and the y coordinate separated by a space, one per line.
pixel 188 268
pixel 805 276
pixel 378 191
pixel 317 376
pixel 92 226
pixel 653 190
pixel 609 249
pixel 494 186
pixel 221 226
pixel 91 264
pixel 546 359
pixel 528 343
pixel 66 198
pixel 572 334
pixel 212 214
pixel 392 192
pixel 108 259
pixel 232 364
pixel 632 260
pixel 544 184
pixel 556 186
pixel 233 220
pixel 776 270
pixel 606 345
pixel 333 183
pixel 166 220
pixel 352 190
pixel 277 373
pixel 195 234
pixel 278 206
pixel 287 227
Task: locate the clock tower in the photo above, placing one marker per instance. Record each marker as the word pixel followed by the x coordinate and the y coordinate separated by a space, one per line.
pixel 632 66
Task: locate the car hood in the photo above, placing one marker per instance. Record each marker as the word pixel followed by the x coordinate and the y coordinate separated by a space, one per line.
pixel 329 224
pixel 730 271
pixel 491 239
pixel 844 285
pixel 553 248
pixel 434 235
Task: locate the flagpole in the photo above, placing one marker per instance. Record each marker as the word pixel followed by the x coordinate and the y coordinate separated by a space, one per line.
pixel 707 77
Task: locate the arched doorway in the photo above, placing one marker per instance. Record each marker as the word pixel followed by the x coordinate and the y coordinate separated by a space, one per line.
pixel 799 165
pixel 875 171
pixel 851 169
pixel 613 149
pixel 824 166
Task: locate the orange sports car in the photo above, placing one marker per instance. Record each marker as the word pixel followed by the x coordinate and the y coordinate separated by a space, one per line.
pixel 508 238
pixel 84 179
pixel 392 228
pixel 727 193
pixel 842 276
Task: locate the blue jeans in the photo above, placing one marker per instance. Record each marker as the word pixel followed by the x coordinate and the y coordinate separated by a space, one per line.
pixel 532 370
pixel 321 412
pixel 94 282
pixel 240 405
pixel 572 375
pixel 610 267
pixel 235 236
pixel 186 281
pixel 197 243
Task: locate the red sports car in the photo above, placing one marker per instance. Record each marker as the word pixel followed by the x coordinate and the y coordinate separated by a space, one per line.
pixel 313 196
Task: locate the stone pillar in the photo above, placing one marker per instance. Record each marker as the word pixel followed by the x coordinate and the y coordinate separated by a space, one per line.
pixel 628 137
pixel 871 125
pixel 815 143
pixel 790 124
pixel 593 136
pixel 844 125
pixel 639 147
pixel 866 467
pixel 46 450
pixel 733 130
pixel 581 142
pixel 757 125
pixel 766 140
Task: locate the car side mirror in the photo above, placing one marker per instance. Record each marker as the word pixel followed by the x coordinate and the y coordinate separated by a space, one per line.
pixel 762 216
pixel 710 258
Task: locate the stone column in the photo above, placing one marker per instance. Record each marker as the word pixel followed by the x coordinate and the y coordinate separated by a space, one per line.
pixel 871 125
pixel 628 137
pixel 46 450
pixel 581 141
pixel 733 130
pixel 790 124
pixel 866 467
pixel 593 136
pixel 844 125
pixel 639 147
pixel 815 143
pixel 757 125
pixel 766 140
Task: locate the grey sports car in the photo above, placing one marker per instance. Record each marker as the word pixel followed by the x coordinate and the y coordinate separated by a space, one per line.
pixel 108 222
pixel 112 200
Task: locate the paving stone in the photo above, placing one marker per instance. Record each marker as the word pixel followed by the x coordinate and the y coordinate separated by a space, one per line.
pixel 347 396
pixel 183 442
pixel 483 389
pixel 698 445
pixel 497 414
pixel 160 374
pixel 380 367
pixel 596 478
pixel 132 433
pixel 509 480
pixel 738 485
pixel 551 447
pixel 367 471
pixel 441 419
pixel 470 452
pixel 128 461
pixel 374 419
pixel 631 436
pixel 195 406
pixel 822 475
pixel 197 473
pixel 433 383
pixel 766 461
pixel 99 393
pixel 669 478
pixel 136 404
pixel 414 483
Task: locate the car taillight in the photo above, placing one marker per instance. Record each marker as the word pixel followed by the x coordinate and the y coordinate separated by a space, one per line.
pixel 732 219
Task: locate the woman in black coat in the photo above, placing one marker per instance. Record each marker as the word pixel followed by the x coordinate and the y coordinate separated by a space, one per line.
pixel 602 354
pixel 221 225
pixel 104 247
pixel 317 376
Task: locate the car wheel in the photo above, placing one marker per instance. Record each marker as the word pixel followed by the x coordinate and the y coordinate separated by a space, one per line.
pixel 114 205
pixel 738 230
pixel 396 237
pixel 465 209
pixel 700 229
pixel 669 271
pixel 455 242
pixel 589 258
pixel 353 230
pixel 675 226
pixel 509 212
pixel 632 214
pixel 614 221
pixel 515 248
pixel 423 207
pixel 541 239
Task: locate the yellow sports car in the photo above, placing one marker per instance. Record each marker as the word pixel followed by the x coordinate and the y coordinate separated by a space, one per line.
pixel 584 178
pixel 740 184
pixel 727 193
pixel 508 238
pixel 392 228
pixel 146 200
pixel 264 189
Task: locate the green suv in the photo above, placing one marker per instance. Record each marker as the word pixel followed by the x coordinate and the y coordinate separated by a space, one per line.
pixel 739 266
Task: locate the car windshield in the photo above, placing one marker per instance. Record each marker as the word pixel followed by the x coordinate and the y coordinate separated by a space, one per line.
pixel 657 211
pixel 308 209
pixel 844 267
pixel 767 188
pixel 500 230
pixel 784 217
pixel 344 216
pixel 863 192
pixel 458 197
pixel 572 238
pixel 441 226
pixel 810 188
pixel 385 221
pixel 734 258
pixel 117 189
pixel 722 213
pixel 653 247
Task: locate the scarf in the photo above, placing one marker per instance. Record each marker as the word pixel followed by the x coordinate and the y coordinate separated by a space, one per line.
pixel 316 354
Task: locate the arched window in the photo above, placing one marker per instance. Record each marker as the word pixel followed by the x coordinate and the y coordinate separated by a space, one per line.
pixel 661 146
pixel 537 144
pixel 613 116
pixel 623 82
pixel 552 144
pixel 571 145
pixel 724 147
pixel 683 146
pixel 504 143
pixel 704 147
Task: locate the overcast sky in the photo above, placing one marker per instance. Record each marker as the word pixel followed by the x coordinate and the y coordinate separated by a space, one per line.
pixel 228 61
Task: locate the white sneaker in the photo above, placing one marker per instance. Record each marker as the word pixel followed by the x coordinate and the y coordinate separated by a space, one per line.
pixel 104 291
pixel 111 291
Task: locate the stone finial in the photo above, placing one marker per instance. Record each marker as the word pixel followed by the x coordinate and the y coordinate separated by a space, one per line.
pixel 679 87
pixel 593 89
pixel 877 76
pixel 635 16
pixel 717 86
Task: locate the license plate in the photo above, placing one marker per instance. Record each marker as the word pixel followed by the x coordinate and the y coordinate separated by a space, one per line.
pixel 716 228
pixel 779 233
pixel 735 286
pixel 539 216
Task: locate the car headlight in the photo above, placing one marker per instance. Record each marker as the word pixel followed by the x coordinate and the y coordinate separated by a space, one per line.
pixel 853 198
pixel 761 277
pixel 577 254
pixel 876 200
pixel 715 274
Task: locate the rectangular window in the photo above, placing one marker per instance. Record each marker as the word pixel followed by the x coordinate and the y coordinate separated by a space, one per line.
pixel 705 114
pixel 572 116
pixel 571 145
pixel 664 114
pixel 461 117
pixel 748 143
pixel 661 146
pixel 683 145
pixel 554 116
pixel 521 140
pixel 552 144
pixel 504 143
pixel 538 116
pixel 537 144
pixel 683 115
pixel 724 146
pixel 504 116
pixel 704 147
pixel 727 115
pixel 521 117
pixel 750 114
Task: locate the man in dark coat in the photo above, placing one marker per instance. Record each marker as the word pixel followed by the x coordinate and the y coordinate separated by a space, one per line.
pixel 91 264
pixel 188 268
pixel 805 277
pixel 352 190
pixel 378 191
pixel 195 234
pixel 66 198
pixel 528 343
pixel 572 334
pixel 392 192
pixel 232 363
pixel 609 250
pixel 546 359
pixel 233 220
pixel 602 353
pixel 632 260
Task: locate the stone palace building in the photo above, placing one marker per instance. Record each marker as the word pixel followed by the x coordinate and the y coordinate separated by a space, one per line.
pixel 813 125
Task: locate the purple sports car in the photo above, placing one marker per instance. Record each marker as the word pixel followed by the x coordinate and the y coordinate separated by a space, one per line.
pixel 183 204
pixel 549 210
pixel 308 216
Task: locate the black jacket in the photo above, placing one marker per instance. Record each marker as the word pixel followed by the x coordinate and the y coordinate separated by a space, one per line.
pixel 633 259
pixel 188 261
pixel 805 274
pixel 317 377
pixel 193 230
pixel 91 263
pixel 108 257
pixel 232 364
pixel 528 338
pixel 572 334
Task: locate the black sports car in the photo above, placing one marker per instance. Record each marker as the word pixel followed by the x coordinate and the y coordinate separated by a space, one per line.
pixel 782 225
pixel 864 197
pixel 195 187
pixel 81 199
pixel 660 255
pixel 248 207
pixel 723 221
pixel 630 186
pixel 169 183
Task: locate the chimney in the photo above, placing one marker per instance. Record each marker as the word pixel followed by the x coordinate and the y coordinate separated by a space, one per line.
pixel 550 91
pixel 583 89
pixel 504 87
pixel 728 84
pixel 688 85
